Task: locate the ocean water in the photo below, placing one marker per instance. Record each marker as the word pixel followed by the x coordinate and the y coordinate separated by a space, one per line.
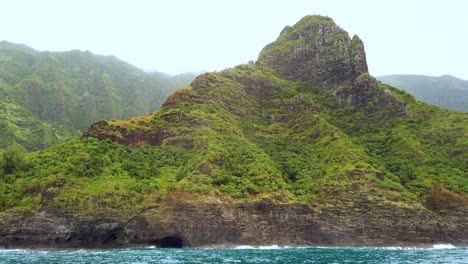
pixel 243 254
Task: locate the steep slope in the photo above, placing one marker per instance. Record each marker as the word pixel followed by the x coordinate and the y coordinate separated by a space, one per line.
pixel 68 91
pixel 256 154
pixel 444 91
pixel 316 50
pixel 18 125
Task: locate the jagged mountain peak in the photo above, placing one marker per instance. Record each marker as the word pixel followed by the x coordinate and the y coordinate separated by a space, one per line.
pixel 315 49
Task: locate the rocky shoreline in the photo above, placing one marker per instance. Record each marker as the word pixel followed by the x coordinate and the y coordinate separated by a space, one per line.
pixel 212 223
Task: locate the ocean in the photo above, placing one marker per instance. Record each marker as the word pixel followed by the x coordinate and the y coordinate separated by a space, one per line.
pixel 243 254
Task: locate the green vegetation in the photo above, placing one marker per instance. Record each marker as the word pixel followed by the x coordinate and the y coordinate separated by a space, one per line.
pixel 246 134
pixel 276 140
pixel 11 160
pixel 17 125
pixel 84 174
pixel 444 91
pixel 49 97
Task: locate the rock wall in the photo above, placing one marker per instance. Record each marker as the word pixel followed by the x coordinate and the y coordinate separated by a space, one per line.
pixel 207 222
pixel 320 52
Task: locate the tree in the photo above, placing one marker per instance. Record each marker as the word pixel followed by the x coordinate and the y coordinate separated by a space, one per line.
pixel 12 159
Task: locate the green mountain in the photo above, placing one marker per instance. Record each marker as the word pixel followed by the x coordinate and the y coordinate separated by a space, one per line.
pixel 302 147
pixel 444 91
pixel 49 97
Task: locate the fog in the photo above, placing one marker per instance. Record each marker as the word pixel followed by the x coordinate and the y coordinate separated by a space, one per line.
pixel 418 37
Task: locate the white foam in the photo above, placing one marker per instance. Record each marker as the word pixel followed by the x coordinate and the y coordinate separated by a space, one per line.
pixel 443 246
pixel 399 248
pixel 11 250
pixel 270 247
pixel 260 247
pixel 244 247
pixel 436 246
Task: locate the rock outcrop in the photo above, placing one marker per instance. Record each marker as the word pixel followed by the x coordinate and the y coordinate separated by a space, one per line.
pixel 315 49
pixel 203 221
pixel 103 130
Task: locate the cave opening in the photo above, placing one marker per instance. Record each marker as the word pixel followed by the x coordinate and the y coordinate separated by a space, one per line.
pixel 170 242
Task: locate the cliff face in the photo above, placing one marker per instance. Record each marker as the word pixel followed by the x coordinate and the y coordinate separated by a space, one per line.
pixel 203 221
pixel 315 49
pixel 303 147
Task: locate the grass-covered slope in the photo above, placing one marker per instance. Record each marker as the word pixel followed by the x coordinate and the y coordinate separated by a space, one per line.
pixel 444 91
pixel 67 91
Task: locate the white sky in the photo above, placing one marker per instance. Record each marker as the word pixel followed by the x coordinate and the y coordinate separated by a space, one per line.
pixel 401 36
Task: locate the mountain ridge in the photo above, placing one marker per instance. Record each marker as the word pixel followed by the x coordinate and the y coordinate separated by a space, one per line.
pixel 62 93
pixel 444 91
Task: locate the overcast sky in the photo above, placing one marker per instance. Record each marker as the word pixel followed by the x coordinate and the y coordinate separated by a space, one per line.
pixel 401 36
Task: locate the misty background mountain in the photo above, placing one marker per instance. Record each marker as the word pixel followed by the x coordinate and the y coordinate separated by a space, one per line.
pixel 445 91
pixel 48 97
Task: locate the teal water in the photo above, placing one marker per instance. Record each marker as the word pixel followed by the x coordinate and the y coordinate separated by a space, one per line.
pixel 241 255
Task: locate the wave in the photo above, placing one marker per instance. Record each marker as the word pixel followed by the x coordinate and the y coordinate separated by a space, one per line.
pixel 443 246
pixel 244 247
pixel 261 247
pixel 434 247
pixel 400 248
pixel 12 250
